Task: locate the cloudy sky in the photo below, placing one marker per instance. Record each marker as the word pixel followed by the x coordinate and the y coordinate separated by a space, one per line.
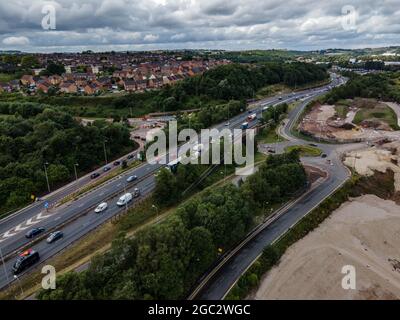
pixel 103 25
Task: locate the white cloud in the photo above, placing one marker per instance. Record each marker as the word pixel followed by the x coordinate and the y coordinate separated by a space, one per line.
pixel 235 24
pixel 16 41
pixel 151 37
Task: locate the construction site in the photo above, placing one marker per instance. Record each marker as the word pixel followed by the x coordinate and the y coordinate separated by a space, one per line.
pixel 351 120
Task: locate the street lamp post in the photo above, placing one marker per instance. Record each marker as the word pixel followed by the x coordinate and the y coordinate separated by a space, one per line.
pixel 19 282
pixel 4 265
pixel 47 177
pixel 155 208
pixel 126 202
pixel 76 175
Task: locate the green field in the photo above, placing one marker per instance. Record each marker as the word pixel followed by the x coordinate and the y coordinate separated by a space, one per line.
pixel 305 151
pixel 341 110
pixel 269 136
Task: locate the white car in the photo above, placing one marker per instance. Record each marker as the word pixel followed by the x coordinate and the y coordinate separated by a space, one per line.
pixel 126 198
pixel 101 207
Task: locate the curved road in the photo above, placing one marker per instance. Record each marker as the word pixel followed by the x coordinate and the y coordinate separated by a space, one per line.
pixel 218 282
pixel 77 218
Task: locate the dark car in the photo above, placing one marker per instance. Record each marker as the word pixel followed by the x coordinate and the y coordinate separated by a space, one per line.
pixel 54 236
pixel 130 156
pixel 313 145
pixel 117 163
pixel 34 232
pixel 107 168
pixel 131 178
pixel 323 155
pixel 25 260
pixel 94 175
pixel 136 192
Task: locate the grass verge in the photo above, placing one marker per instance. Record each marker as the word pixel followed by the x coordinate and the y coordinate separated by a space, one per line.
pixel 305 151
pixel 97 183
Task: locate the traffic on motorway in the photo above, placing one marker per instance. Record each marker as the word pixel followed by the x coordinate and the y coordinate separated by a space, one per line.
pixel 71 221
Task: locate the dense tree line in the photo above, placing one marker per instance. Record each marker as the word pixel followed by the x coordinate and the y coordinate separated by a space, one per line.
pixel 235 81
pixel 164 260
pixel 214 87
pixel 32 135
pixel 380 86
pixel 225 83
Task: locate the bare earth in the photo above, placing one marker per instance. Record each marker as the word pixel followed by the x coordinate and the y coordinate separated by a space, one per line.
pixel 364 233
pixel 323 122
pixel 378 158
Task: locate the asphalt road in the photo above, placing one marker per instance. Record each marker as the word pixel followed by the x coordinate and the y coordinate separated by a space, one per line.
pixel 77 217
pixel 229 271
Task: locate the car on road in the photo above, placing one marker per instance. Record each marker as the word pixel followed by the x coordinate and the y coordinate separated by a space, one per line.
pixel 131 178
pixel 25 260
pixel 130 156
pixel 271 150
pixel 34 232
pixel 54 236
pixel 313 145
pixel 136 192
pixel 227 124
pixel 101 207
pixel 117 163
pixel 106 168
pixel 94 175
pixel 280 98
pixel 125 199
pixel 323 155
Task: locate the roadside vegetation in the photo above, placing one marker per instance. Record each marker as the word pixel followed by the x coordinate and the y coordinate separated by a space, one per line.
pixel 381 86
pixel 305 151
pixel 269 135
pixel 164 260
pixel 34 136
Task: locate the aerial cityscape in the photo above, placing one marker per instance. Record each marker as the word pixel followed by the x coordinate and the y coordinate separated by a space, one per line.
pixel 199 151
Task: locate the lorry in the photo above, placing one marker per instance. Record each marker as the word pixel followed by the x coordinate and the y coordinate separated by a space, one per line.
pixel 25 260
pixel 252 117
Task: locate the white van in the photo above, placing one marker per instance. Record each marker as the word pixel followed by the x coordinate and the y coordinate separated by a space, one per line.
pixel 126 198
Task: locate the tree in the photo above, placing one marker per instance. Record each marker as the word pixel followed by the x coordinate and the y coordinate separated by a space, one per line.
pixel 166 187
pixel 29 61
pixel 53 69
pixel 57 173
